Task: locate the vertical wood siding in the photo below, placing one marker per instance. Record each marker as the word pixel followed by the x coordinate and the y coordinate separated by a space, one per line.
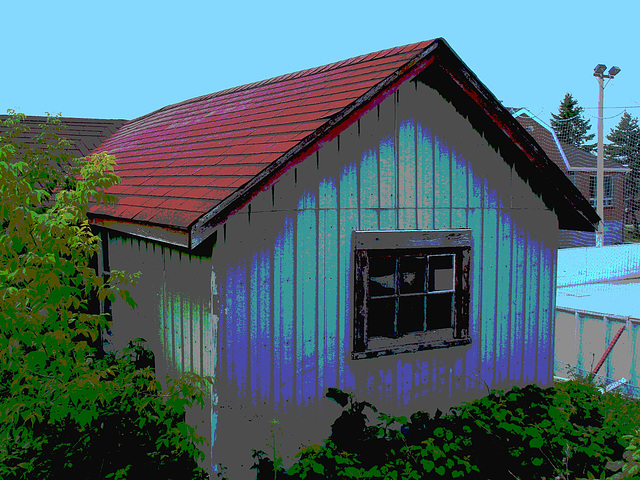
pixel 174 305
pixel 282 275
pixel 285 270
pixel 175 314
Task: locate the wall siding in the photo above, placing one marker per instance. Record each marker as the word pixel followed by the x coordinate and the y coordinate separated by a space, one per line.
pixel 174 314
pixel 286 269
pixel 271 311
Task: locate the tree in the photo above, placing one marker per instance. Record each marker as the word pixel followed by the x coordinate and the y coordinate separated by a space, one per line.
pixel 570 126
pixel 66 409
pixel 625 150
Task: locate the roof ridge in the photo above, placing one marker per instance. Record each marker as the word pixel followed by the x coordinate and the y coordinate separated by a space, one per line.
pixel 388 52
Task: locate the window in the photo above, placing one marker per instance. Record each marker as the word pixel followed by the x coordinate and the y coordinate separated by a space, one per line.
pixel 608 190
pixel 411 291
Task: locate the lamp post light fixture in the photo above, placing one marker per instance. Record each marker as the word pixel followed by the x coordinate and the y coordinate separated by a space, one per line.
pixel 598 72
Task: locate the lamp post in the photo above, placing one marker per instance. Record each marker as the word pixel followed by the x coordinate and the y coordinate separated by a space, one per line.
pixel 598 72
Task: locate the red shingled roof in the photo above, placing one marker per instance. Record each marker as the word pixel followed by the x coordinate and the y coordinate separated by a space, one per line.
pixel 186 167
pixel 178 163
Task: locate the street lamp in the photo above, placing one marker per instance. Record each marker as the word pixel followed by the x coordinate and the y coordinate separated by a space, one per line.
pixel 598 72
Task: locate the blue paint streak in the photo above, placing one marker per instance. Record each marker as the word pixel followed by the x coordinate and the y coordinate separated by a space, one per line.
pixel 531 308
pixel 517 303
pixel 407 175
pixel 237 323
pixel 503 302
pixel 489 274
pixel 328 296
pixel 260 332
pixel 388 173
pixel 306 291
pixel 254 338
pixel 284 314
pixel 348 223
pixel 369 191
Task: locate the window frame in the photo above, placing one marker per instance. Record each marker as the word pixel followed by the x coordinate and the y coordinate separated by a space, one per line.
pixel 402 244
pixel 607 200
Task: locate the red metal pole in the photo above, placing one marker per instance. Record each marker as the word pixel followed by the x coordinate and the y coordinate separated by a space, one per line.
pixel 608 350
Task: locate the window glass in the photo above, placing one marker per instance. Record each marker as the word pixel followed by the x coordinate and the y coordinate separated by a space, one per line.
pixel 380 311
pixel 411 314
pixel 382 275
pixel 439 311
pixel 412 291
pixel 607 200
pixel 411 271
pixel 441 274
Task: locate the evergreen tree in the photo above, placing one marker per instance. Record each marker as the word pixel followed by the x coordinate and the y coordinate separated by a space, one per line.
pixel 625 150
pixel 625 142
pixel 570 126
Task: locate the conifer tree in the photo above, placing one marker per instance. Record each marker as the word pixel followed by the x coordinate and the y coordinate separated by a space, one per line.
pixel 625 141
pixel 570 125
pixel 625 150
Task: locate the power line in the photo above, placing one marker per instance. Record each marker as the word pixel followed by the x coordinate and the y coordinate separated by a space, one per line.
pixel 632 106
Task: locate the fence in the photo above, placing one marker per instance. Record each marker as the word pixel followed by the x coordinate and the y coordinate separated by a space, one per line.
pixel 564 371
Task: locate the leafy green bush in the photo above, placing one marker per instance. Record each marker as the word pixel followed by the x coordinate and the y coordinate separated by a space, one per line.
pixel 67 410
pixel 564 432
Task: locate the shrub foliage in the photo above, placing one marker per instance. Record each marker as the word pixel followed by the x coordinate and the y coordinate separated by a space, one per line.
pixel 567 432
pixel 67 409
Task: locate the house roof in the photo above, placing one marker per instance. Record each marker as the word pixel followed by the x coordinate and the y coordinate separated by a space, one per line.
pixel 567 157
pixel 188 166
pixel 85 134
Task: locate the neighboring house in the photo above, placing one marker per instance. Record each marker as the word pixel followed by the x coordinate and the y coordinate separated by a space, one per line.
pixel 381 224
pixel 85 134
pixel 581 166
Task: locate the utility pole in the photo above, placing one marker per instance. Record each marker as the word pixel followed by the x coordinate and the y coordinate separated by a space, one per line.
pixel 598 72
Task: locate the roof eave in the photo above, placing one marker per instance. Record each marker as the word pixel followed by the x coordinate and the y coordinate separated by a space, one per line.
pixel 531 162
pixel 171 236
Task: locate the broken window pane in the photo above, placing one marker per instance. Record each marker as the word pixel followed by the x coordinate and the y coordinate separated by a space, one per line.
pixel 382 275
pixel 411 271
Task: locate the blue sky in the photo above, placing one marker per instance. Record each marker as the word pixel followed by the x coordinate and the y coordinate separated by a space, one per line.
pixel 124 59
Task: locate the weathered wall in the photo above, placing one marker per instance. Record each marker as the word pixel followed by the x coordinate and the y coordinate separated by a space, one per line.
pixel 283 268
pixel 174 314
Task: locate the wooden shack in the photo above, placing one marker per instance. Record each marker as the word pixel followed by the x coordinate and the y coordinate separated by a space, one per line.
pixel 381 224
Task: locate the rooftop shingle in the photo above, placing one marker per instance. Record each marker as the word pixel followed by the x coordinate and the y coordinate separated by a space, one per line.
pixel 228 137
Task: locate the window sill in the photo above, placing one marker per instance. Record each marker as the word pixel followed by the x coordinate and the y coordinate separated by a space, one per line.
pixel 409 348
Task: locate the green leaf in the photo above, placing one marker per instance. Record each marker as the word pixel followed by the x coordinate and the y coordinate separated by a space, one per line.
pixel 428 465
pixel 536 442
pixel 36 360
pixel 352 472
